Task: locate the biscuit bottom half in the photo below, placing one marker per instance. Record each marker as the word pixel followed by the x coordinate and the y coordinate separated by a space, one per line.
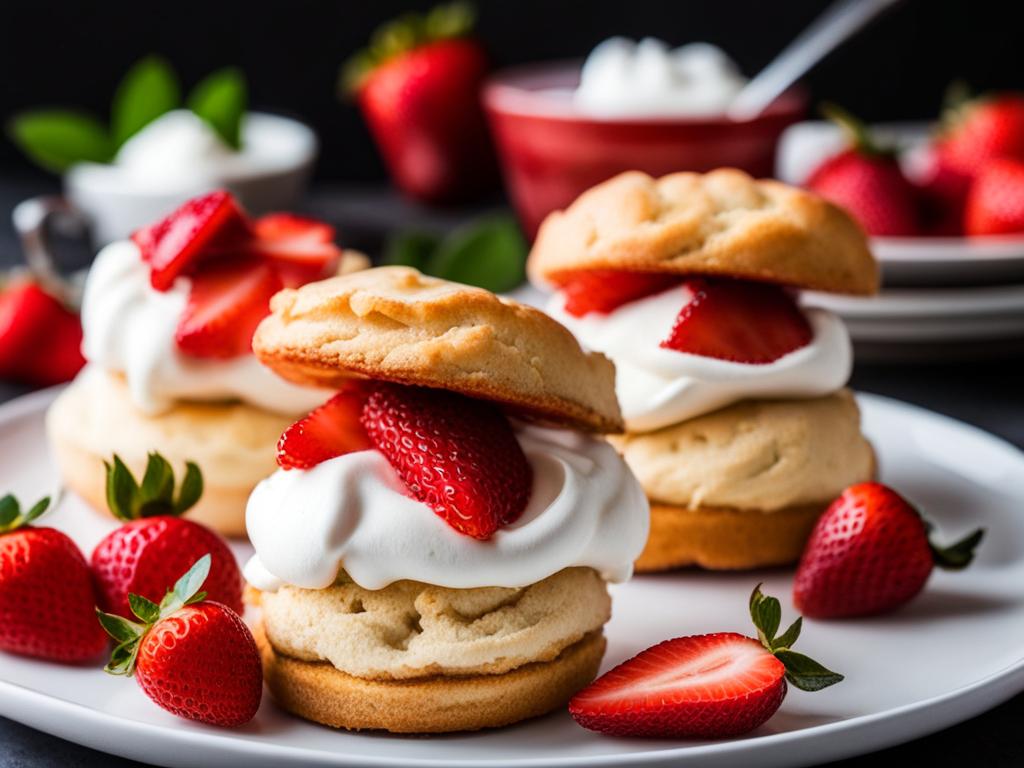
pixel 417 658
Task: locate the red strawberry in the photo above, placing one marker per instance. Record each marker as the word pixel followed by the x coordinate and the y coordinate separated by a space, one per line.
pixel 195 658
pixel 301 249
pixel 604 290
pixel 706 686
pixel 943 195
pixel 869 553
pixel 740 321
pixel 868 183
pixel 995 203
pixel 276 227
pixel 155 545
pixel 331 430
pixel 225 304
pixel 418 86
pixel 46 590
pixel 174 244
pixel 456 454
pixel 980 130
pixel 40 338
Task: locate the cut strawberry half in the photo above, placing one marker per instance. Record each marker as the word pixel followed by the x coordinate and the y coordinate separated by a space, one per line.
pixel 739 321
pixel 174 244
pixel 605 290
pixel 227 301
pixel 456 454
pixel 331 430
pixel 704 686
pixel 289 226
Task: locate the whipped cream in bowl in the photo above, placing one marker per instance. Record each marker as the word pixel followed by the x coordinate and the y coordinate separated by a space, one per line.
pixel 129 328
pixel 660 387
pixel 353 513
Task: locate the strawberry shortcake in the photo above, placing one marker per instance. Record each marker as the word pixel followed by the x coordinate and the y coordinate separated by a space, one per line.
pixel 168 318
pixel 433 552
pixel 739 425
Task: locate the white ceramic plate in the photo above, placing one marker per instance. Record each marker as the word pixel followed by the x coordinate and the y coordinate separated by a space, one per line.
pixel 951 654
pixel 926 303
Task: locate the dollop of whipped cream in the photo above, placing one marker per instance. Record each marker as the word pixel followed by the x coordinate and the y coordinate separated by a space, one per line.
pixel 622 78
pixel 129 327
pixel 176 147
pixel 659 387
pixel 353 513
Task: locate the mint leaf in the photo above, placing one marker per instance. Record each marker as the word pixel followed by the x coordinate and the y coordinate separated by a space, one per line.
pixel 489 253
pixel 56 139
pixel 220 99
pixel 411 249
pixel 149 90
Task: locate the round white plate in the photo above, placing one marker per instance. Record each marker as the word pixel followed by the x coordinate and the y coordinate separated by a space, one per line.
pixel 951 654
pixel 925 303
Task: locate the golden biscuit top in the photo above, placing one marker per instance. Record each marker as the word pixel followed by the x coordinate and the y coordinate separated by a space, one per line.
pixel 395 324
pixel 721 223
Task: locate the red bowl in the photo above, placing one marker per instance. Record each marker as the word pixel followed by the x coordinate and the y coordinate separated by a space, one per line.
pixel 550 153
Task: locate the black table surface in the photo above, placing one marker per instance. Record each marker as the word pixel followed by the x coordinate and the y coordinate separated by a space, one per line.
pixel 986 393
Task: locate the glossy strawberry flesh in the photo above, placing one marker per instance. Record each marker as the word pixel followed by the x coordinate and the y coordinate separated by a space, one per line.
pixel 738 321
pixel 47 600
pixel 172 246
pixel 605 290
pixel 226 302
pixel 868 554
pixel 706 686
pixel 456 454
pixel 147 556
pixel 201 663
pixel 333 429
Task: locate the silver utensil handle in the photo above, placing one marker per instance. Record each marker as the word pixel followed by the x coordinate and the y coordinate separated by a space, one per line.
pixel 33 219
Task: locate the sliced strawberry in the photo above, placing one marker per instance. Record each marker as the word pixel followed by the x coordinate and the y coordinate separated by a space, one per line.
pixel 456 454
pixel 171 246
pixel 227 301
pixel 740 321
pixel 331 430
pixel 604 290
pixel 289 226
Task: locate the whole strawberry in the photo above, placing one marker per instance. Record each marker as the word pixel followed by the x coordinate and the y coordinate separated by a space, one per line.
pixel 145 554
pixel 977 131
pixel 703 686
pixel 995 203
pixel 867 181
pixel 46 590
pixel 869 553
pixel 418 86
pixel 40 338
pixel 193 657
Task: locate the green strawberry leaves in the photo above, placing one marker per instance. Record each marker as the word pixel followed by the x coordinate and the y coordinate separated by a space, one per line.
pixel 489 252
pixel 11 516
pixel 958 555
pixel 802 671
pixel 56 139
pixel 129 634
pixel 130 500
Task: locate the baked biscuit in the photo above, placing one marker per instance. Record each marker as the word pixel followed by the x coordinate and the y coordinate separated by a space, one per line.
pixel 393 323
pixel 719 223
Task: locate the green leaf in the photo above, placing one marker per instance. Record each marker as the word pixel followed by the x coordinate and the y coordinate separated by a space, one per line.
pixel 958 556
pixel 805 673
pixel 411 249
pixel 147 611
pixel 187 587
pixel 9 510
pixel 37 510
pixel 149 90
pixel 489 253
pixel 220 99
pixel 122 490
pixel 766 613
pixel 157 481
pixel 788 638
pixel 56 139
pixel 118 627
pixel 191 488
pixel 449 20
pixel 122 658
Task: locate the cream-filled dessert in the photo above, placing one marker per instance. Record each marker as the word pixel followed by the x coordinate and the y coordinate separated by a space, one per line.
pixel 168 318
pixel 738 424
pixel 428 557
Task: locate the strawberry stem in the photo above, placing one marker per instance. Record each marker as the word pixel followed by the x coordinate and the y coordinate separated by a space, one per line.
pixel 11 516
pixel 856 132
pixel 958 555
pixel 130 500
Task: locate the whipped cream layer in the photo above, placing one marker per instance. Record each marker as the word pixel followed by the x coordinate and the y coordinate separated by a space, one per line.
pixel 659 387
pixel 352 513
pixel 621 78
pixel 129 328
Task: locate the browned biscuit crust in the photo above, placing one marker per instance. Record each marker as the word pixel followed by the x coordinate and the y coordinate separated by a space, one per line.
pixel 719 223
pixel 394 324
pixel 317 691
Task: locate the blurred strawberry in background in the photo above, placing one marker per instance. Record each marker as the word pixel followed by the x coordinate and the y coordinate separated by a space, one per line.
pixel 40 337
pixel 418 85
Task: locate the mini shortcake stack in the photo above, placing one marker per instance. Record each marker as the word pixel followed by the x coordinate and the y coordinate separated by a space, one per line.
pixel 739 426
pixel 168 318
pixel 433 553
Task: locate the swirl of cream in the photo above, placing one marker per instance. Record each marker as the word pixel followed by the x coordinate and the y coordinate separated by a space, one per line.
pixel 352 513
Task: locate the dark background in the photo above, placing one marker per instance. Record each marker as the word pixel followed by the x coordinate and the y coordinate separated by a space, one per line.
pixel 72 53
